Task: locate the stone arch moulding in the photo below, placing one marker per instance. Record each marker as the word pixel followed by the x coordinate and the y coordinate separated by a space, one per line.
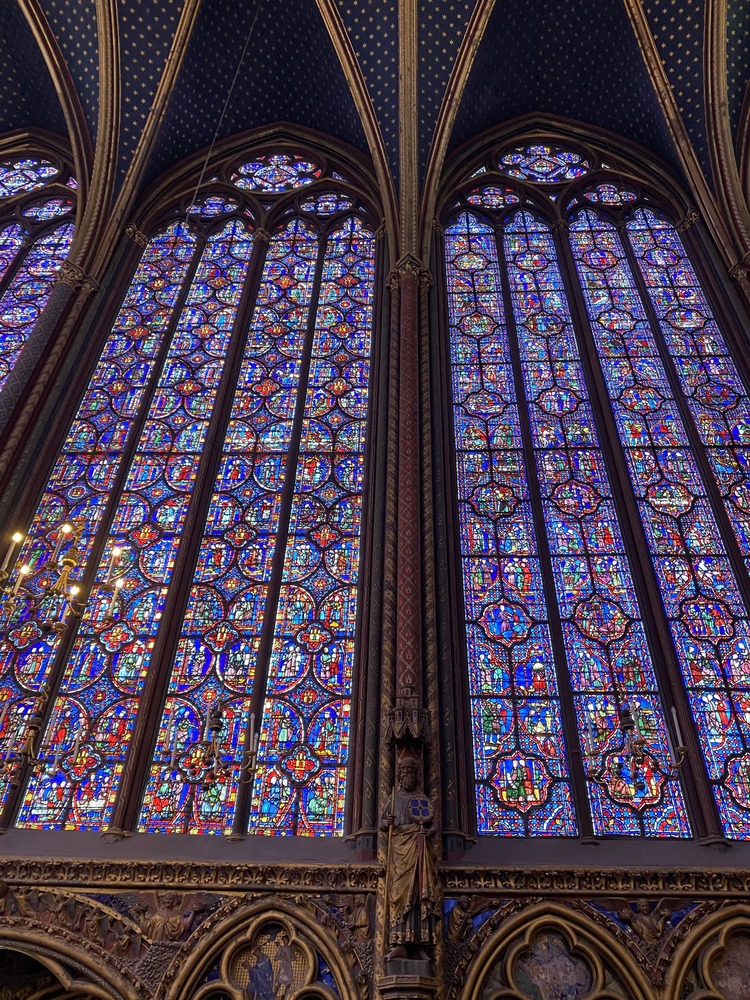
pixel 244 936
pixel 91 977
pixel 697 953
pixel 180 180
pixel 603 956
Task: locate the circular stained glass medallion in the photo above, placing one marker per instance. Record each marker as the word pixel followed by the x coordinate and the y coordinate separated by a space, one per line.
pixel 211 206
pixel 21 175
pixel 276 173
pixel 544 164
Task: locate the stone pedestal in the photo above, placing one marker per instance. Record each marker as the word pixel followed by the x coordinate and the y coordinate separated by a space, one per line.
pixel 407 979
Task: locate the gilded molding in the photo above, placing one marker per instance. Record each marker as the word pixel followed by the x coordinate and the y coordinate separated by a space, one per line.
pixel 353 72
pixel 676 126
pixel 447 116
pixel 563 882
pixel 162 874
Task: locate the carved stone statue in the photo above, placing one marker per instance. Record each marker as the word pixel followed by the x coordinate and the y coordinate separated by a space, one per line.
pixel 167 922
pixel 411 876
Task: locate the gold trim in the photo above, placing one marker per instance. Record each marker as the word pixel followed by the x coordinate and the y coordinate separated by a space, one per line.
pixel 721 149
pixel 447 116
pixel 227 876
pixel 566 881
pixel 697 182
pixel 75 121
pixel 353 72
pixel 408 123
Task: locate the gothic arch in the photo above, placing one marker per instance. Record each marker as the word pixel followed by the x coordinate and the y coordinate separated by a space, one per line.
pixel 230 943
pixel 499 952
pixel 691 968
pixel 79 971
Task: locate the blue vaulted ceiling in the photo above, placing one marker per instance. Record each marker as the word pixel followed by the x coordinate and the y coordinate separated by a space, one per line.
pixel 27 93
pixel 578 59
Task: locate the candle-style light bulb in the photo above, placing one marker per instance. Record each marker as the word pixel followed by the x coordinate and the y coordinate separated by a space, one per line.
pixel 119 584
pixel 114 557
pixel 15 540
pixel 62 534
pixel 22 573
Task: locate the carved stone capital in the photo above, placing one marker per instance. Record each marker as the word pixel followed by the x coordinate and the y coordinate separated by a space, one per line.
pixel 740 270
pixel 409 266
pixel 75 277
pixel 689 220
pixel 560 226
pixel 380 231
pixel 261 236
pixel 133 233
pixel 437 227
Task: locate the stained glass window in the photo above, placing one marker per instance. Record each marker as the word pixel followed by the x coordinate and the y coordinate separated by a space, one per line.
pixel 543 163
pixel 232 393
pixel 35 237
pixel 627 432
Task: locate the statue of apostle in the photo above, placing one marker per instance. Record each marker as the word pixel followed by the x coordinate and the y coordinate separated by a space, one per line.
pixel 411 874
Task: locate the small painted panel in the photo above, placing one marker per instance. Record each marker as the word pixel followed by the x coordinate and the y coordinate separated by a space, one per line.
pixel 704 606
pixel 24 299
pixel 78 491
pixel 276 173
pixel 544 164
pixel 110 660
pixel 216 660
pixel 21 175
pixel 304 737
pixel 607 652
pixel 519 747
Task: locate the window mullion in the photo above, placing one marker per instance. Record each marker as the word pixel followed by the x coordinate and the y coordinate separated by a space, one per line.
pixel 129 795
pixel 697 448
pixel 102 531
pixel 647 590
pixel 244 795
pixel 570 727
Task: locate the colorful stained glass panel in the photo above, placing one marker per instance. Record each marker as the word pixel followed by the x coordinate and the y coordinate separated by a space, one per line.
pixel 544 164
pixel 216 659
pixel 24 299
pixel 276 173
pixel 703 604
pixel 521 769
pixel 17 176
pixel 607 652
pixel 304 736
pixel 82 479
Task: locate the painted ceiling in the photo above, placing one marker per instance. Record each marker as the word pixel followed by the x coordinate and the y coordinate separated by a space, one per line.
pixel 635 68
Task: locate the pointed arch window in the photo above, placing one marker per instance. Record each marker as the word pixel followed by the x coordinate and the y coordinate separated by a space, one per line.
pixel 601 474
pixel 213 478
pixel 37 215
